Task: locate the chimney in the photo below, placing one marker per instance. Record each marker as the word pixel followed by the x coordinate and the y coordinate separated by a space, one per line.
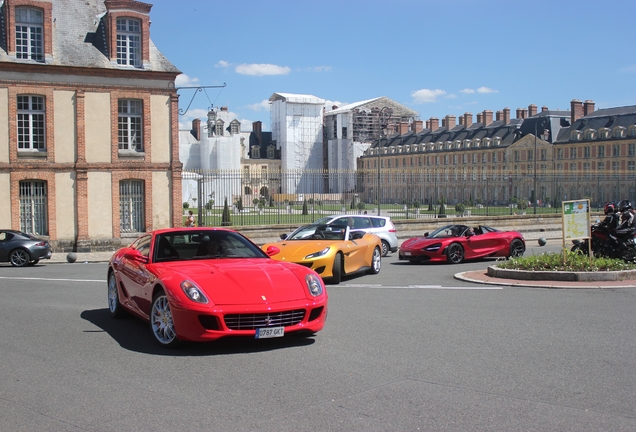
pixel 576 110
pixel 468 119
pixel 532 110
pixel 224 108
pixel 196 129
pixel 434 124
pixel 544 108
pixel 487 117
pixel 461 120
pixel 588 107
pixel 480 118
pixel 403 127
pixel 428 124
pixel 519 113
pixel 506 115
pixel 416 126
pixel 451 122
pixel 499 115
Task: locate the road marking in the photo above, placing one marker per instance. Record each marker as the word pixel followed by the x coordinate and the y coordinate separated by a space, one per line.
pixel 50 279
pixel 440 287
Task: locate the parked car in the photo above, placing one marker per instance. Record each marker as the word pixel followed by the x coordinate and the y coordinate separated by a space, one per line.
pixel 378 225
pixel 333 251
pixel 456 243
pixel 22 249
pixel 202 284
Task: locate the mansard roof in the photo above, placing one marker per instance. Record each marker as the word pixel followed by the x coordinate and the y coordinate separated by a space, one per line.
pixel 80 39
pixel 602 118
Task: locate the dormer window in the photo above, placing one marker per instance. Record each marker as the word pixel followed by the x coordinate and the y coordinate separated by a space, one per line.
pixel 603 133
pixel 218 129
pixel 497 141
pixel 129 42
pixel 270 152
pixel 476 143
pixel 234 127
pixel 575 135
pixel 619 132
pixel 487 142
pixel 631 132
pixel 466 143
pixel 589 134
pixel 29 34
pixel 256 152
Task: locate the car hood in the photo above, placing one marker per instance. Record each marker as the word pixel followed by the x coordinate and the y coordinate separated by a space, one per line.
pixel 418 242
pixel 297 250
pixel 230 281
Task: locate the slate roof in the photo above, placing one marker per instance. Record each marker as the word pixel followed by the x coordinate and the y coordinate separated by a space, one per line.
pixel 602 118
pixel 79 39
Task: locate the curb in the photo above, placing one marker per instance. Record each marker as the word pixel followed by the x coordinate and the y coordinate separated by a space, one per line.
pixel 481 277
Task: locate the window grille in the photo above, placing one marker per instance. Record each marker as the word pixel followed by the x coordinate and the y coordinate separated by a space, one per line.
pixel 131 206
pixel 29 30
pixel 129 42
pixel 33 207
pixel 31 123
pixel 130 125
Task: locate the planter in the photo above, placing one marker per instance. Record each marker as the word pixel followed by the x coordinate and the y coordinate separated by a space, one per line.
pixel 561 276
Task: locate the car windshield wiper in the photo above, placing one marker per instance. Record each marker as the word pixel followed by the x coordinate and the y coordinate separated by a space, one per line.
pixel 201 257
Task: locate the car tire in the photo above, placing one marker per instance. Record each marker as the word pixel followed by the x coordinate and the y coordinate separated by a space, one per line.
pixel 385 248
pixel 19 258
pixel 161 323
pixel 114 305
pixel 376 261
pixel 336 272
pixel 34 262
pixel 455 253
pixel 517 248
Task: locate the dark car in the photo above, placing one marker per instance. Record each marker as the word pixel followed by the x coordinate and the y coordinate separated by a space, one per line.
pixel 22 249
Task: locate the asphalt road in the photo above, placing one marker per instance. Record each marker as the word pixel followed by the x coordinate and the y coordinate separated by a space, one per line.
pixel 408 349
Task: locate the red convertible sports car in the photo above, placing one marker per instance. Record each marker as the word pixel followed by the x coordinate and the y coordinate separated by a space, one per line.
pixel 202 284
pixel 456 243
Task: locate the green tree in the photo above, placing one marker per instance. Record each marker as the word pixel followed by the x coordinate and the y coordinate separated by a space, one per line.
pixel 225 218
pixel 186 205
pixel 442 207
pixel 460 207
pixel 305 211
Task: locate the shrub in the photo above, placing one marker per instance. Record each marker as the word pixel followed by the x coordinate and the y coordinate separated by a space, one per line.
pixel 460 207
pixel 186 205
pixel 571 262
pixel 225 218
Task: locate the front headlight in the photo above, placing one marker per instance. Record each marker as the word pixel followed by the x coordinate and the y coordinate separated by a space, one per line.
pixel 314 284
pixel 323 252
pixel 193 292
pixel 433 248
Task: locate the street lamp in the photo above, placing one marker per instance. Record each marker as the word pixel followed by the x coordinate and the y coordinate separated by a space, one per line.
pixel 383 116
pixel 544 136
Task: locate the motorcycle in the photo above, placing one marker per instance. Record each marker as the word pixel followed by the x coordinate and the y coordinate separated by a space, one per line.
pixel 606 245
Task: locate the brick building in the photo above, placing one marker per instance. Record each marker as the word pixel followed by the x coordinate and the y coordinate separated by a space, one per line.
pixel 89 153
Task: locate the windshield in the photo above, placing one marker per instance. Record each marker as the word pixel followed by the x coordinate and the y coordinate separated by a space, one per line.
pixel 319 232
pixel 195 244
pixel 448 231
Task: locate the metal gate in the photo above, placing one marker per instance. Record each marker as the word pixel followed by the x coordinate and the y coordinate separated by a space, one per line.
pixel 33 207
pixel 131 206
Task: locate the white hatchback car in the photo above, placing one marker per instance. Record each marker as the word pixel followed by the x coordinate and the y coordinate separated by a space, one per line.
pixel 378 225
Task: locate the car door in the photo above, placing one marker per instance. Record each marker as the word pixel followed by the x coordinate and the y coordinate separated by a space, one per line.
pixel 356 252
pixel 483 244
pixel 5 238
pixel 134 275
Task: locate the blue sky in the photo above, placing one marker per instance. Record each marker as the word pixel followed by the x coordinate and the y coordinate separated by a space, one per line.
pixel 436 57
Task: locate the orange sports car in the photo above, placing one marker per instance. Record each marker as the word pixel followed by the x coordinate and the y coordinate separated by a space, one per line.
pixel 332 251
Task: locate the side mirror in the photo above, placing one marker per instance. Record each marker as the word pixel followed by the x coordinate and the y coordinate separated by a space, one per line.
pixel 283 236
pixel 272 250
pixel 425 234
pixel 135 255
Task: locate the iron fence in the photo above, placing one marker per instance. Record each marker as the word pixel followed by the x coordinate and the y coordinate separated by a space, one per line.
pixel 297 197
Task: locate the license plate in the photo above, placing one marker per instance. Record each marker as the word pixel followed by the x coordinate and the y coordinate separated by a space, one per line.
pixel 407 253
pixel 270 332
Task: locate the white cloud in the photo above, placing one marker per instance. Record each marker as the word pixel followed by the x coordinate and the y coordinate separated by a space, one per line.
pixel 467 91
pixel 261 69
pixel 260 106
pixel 222 64
pixel 427 95
pixel 629 69
pixel 486 90
pixel 184 80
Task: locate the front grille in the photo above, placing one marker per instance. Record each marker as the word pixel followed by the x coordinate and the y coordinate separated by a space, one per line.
pixel 272 319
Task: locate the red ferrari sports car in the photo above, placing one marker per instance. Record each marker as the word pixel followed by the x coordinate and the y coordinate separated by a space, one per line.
pixel 456 243
pixel 202 284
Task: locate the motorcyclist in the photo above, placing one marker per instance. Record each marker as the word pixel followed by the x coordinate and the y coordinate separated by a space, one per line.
pixel 611 218
pixel 626 227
